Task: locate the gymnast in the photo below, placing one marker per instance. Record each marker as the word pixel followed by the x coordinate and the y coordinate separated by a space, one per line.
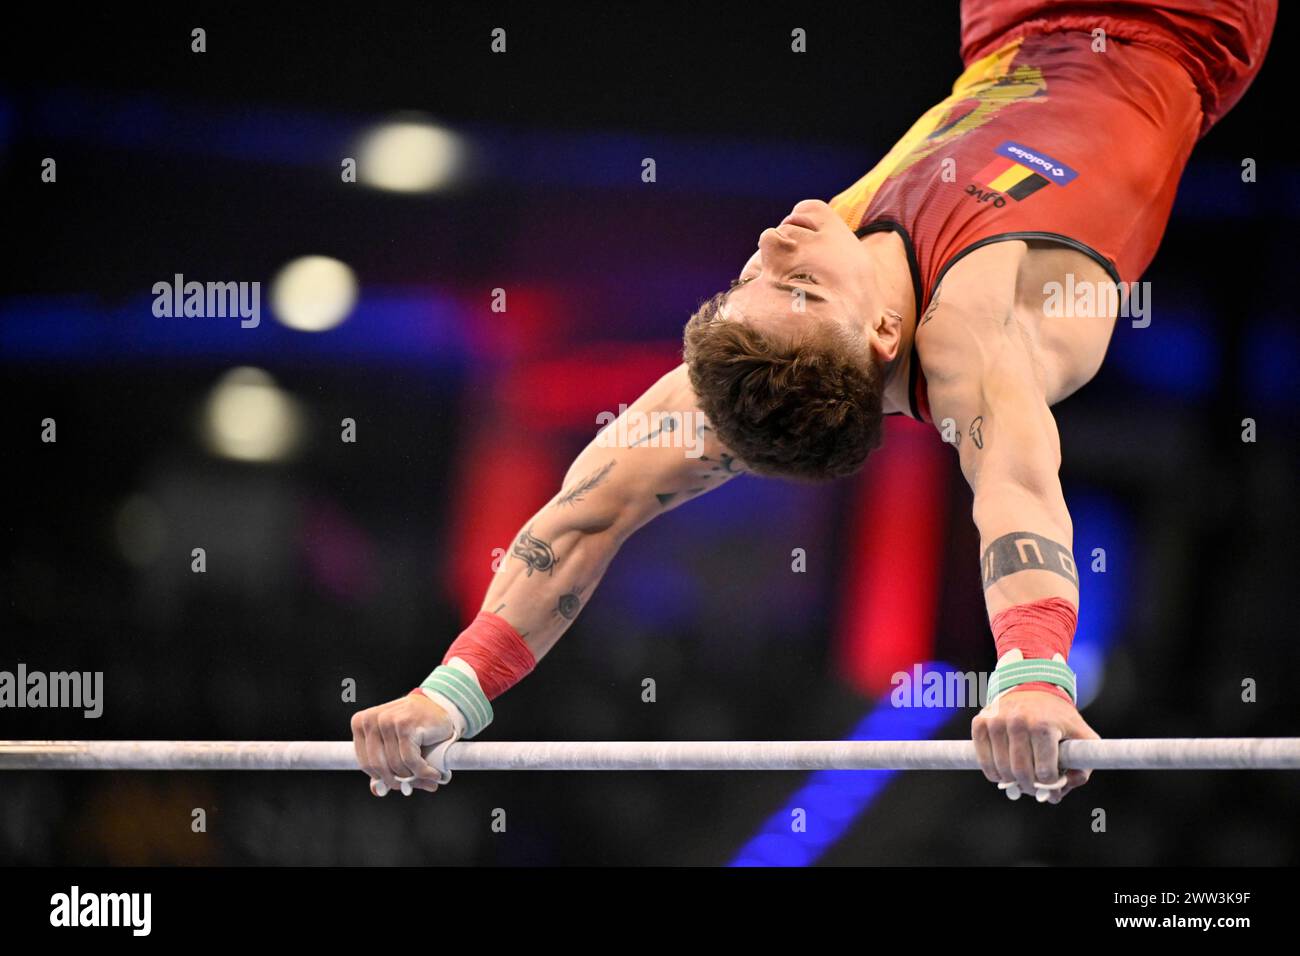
pixel 920 290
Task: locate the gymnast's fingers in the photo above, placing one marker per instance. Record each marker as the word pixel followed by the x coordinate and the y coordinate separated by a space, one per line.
pixel 1045 738
pixel 984 748
pixel 1001 749
pixel 1078 729
pixel 358 724
pixel 376 759
pixel 1020 752
pixel 417 771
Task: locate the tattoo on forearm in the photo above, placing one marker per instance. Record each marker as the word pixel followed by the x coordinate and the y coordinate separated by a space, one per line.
pixel 1026 551
pixel 534 552
pixel 569 603
pixel 497 609
pixel 977 432
pixel 581 488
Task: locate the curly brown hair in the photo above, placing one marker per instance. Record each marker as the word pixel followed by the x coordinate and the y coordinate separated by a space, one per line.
pixel 808 408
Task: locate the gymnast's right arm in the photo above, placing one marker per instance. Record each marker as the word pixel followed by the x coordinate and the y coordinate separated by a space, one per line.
pixel 659 453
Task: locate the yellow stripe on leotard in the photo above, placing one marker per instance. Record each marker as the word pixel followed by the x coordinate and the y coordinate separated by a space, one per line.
pixel 990 80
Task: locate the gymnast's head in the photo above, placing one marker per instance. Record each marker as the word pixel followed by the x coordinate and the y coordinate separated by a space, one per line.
pixel 789 363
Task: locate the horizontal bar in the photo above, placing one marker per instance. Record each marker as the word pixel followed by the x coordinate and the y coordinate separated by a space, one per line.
pixel 1224 753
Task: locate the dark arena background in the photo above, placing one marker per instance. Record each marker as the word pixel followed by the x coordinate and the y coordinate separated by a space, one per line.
pixel 353 465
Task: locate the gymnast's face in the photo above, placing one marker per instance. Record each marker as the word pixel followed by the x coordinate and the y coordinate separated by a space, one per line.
pixel 809 268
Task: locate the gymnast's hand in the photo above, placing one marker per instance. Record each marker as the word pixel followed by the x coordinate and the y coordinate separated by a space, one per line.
pixel 1017 740
pixel 389 738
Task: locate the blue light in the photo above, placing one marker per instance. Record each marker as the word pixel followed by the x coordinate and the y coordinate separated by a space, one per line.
pixel 1099 522
pixel 1272 360
pixel 397 325
pixel 833 799
pixel 1174 354
pixel 260 134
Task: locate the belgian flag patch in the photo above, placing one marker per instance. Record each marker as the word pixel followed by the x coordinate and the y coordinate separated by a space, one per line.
pixel 1019 172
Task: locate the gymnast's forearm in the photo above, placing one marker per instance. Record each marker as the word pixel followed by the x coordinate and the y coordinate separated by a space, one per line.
pixel 545 578
pixel 548 576
pixel 1026 539
pixel 1010 453
pixel 1031 589
pixel 987 397
pixel 550 571
pixel 655 456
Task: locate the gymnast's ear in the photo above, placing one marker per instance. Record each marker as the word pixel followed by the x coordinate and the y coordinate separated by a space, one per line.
pixel 887 335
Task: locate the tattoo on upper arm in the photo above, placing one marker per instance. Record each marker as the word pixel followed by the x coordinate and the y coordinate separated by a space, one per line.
pixel 665 497
pixel 534 552
pixel 669 424
pixel 582 488
pixel 977 432
pixel 497 609
pixel 720 469
pixel 723 466
pixel 930 309
pixel 1026 551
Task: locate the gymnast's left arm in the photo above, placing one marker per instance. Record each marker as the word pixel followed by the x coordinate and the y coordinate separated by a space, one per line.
pixel 986 379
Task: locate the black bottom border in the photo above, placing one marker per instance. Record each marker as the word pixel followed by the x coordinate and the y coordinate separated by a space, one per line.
pixel 1038 905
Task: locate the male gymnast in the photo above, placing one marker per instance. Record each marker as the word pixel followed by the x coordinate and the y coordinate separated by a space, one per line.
pixel 919 290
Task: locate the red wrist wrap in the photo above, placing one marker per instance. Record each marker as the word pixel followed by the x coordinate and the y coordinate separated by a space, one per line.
pixel 495 650
pixel 1038 630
